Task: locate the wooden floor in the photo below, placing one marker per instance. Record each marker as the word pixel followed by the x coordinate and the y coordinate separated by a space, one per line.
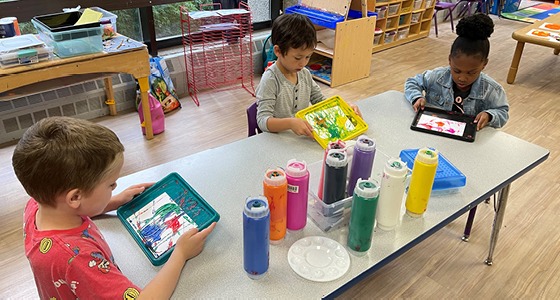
pixel 527 257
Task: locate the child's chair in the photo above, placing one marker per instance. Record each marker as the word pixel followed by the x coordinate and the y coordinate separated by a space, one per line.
pixel 442 6
pixel 253 127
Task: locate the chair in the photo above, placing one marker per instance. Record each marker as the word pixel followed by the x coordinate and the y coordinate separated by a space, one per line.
pixel 442 6
pixel 481 6
pixel 253 127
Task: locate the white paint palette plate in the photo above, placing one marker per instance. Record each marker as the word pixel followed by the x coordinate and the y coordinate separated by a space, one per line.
pixel 318 258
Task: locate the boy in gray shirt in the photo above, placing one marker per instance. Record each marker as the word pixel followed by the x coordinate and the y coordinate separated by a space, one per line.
pixel 287 86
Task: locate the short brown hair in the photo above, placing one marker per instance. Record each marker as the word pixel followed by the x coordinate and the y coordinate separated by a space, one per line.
pixel 58 154
pixel 293 31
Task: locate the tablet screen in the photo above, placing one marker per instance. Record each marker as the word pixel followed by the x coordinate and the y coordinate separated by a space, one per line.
pixel 445 123
pixel 436 123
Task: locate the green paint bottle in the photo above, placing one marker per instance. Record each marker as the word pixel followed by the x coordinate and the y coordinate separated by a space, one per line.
pixel 364 205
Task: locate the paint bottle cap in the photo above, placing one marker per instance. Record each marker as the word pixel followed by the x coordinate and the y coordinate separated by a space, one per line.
pixel 337 158
pixel 336 145
pixel 428 156
pixel 256 207
pixel 396 167
pixel 364 143
pixel 367 188
pixel 296 168
pixel 275 177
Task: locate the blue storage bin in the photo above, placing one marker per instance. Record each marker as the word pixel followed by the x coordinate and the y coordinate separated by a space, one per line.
pixel 158 214
pixel 71 42
pixel 317 17
pixel 447 175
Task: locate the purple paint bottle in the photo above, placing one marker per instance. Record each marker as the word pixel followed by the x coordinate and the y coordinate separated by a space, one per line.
pixel 298 188
pixel 362 162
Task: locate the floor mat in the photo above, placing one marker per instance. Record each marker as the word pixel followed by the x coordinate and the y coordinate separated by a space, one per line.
pixel 533 13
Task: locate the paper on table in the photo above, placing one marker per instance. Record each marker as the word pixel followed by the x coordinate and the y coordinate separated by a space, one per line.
pixel 89 16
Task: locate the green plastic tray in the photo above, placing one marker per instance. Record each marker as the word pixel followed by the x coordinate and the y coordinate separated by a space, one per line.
pixel 157 217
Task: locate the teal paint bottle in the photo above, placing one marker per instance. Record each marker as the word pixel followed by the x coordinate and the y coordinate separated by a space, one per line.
pixel 364 205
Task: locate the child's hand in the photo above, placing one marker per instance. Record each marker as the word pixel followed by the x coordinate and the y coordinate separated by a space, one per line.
pixel 419 104
pixel 482 120
pixel 191 243
pixel 126 195
pixel 356 109
pixel 301 127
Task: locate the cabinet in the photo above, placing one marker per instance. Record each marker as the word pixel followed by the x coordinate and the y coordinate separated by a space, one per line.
pixel 343 54
pixel 401 21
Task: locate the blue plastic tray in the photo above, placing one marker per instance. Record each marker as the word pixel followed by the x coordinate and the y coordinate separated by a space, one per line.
pixel 186 206
pixel 447 175
pixel 317 17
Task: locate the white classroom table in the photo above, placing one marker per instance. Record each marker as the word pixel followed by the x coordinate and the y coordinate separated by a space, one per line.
pixel 226 175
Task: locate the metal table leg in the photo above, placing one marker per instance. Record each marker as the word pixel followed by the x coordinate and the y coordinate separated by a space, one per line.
pixel 498 219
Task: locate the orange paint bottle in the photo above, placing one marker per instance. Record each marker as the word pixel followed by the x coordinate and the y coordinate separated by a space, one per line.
pixel 275 189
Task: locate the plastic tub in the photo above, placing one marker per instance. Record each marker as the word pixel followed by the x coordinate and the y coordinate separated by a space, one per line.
pixel 390 36
pixel 394 9
pixel 25 56
pixel 70 42
pixel 402 34
pixel 381 12
pixel 377 36
pixel 109 22
pixel 415 17
pixel 417 4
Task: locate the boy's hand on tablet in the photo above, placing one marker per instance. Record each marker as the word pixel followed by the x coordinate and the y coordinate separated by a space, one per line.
pixel 419 104
pixel 482 120
pixel 301 127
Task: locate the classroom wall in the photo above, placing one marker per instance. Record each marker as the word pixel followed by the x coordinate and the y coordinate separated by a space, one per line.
pixel 86 100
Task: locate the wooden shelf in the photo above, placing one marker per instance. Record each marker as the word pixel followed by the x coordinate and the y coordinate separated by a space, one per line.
pixel 417 30
pixel 351 52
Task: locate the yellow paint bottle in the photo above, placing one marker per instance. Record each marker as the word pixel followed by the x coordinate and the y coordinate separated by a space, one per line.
pixel 421 182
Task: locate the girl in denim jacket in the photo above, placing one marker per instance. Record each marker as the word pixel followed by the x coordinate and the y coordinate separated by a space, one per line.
pixel 462 86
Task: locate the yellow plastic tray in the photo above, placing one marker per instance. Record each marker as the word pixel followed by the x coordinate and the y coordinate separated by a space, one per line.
pixel 333 119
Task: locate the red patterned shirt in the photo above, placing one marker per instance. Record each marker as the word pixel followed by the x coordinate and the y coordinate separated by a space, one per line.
pixel 74 263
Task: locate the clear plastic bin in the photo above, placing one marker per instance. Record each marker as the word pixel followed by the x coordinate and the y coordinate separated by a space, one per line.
pixel 417 4
pixel 390 36
pixel 330 216
pixel 402 34
pixel 394 9
pixel 72 42
pixel 377 38
pixel 415 17
pixel 381 11
pixel 109 22
pixel 25 57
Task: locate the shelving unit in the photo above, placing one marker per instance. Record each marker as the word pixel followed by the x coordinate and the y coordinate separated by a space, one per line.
pixel 410 21
pixel 348 54
pixel 217 47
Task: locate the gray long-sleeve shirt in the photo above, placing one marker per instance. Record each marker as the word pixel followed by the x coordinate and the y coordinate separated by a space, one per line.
pixel 279 98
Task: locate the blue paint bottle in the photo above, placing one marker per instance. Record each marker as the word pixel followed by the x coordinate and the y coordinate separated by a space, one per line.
pixel 256 233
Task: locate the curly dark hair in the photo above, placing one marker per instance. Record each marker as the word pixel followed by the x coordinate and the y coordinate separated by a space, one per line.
pixel 293 31
pixel 473 33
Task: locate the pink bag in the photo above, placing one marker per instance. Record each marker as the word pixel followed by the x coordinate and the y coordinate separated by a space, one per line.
pixel 158 119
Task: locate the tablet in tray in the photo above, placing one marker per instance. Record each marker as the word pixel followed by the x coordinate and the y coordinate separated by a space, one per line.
pixel 157 217
pixel 332 120
pixel 450 124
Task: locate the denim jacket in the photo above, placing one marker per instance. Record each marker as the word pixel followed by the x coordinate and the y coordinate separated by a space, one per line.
pixel 486 94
